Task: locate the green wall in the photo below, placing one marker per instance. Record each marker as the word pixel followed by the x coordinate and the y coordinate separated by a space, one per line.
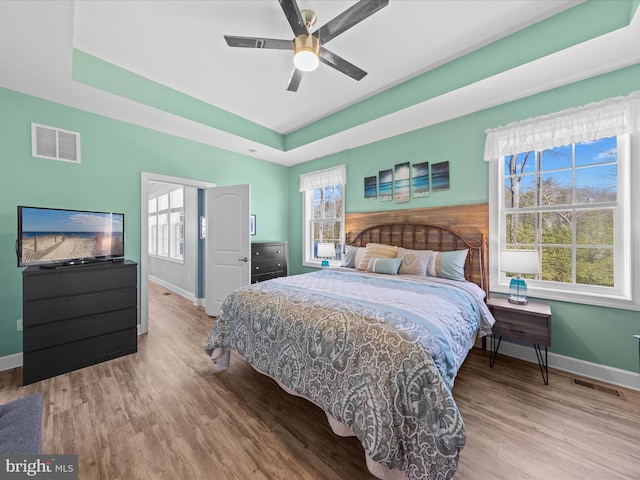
pixel 114 154
pixel 594 334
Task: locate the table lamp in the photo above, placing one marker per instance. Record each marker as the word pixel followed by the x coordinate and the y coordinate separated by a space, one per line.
pixel 325 252
pixel 519 262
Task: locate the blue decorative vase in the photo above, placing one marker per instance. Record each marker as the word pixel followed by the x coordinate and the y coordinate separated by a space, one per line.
pixel 518 291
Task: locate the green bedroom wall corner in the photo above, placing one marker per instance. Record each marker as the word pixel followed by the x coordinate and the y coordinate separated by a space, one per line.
pixel 113 155
pixel 98 73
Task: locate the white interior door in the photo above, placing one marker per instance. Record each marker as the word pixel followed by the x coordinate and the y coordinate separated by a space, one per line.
pixel 228 251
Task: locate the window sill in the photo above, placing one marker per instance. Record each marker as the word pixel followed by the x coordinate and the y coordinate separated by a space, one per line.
pixel 610 301
pixel 314 264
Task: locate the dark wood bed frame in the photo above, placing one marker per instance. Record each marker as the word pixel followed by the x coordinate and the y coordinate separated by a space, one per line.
pixel 404 229
pixel 430 237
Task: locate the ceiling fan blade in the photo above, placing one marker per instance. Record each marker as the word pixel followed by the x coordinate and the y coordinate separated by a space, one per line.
pixel 348 19
pixel 294 80
pixel 253 42
pixel 292 12
pixel 329 58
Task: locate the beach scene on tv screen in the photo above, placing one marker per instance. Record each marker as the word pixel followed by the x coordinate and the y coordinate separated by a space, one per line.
pixel 56 235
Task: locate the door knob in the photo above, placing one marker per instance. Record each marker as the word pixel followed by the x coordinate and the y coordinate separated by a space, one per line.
pixel 245 259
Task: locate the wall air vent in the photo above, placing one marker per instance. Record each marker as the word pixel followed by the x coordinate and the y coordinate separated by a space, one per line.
pixel 55 143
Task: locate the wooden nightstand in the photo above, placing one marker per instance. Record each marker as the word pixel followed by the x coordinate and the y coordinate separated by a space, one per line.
pixel 529 323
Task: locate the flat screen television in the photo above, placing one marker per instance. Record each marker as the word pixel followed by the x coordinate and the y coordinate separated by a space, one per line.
pixel 52 237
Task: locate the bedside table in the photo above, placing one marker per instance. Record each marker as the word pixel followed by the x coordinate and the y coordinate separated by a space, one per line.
pixel 530 323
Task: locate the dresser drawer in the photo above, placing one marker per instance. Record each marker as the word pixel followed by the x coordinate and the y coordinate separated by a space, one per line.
pixel 262 266
pixel 522 326
pixel 261 277
pixel 267 252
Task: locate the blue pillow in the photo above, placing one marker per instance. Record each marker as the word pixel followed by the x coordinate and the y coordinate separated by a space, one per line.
pixel 448 265
pixel 388 266
pixel 350 256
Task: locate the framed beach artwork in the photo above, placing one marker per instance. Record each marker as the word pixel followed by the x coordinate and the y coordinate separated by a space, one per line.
pixel 370 188
pixel 420 179
pixel 385 185
pixel 401 183
pixel 440 176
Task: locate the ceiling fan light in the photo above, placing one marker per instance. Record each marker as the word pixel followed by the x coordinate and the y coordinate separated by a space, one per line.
pixel 306 49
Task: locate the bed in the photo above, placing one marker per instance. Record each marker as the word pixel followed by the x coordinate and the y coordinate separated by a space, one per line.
pixel 358 341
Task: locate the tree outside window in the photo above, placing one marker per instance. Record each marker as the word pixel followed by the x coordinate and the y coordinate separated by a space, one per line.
pixel 323 212
pixel 562 202
pixel 327 218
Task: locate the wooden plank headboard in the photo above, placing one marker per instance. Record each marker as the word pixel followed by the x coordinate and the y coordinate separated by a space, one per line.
pixel 438 228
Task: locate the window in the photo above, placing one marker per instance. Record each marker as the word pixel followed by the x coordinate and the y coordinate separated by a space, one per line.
pixel 572 203
pixel 166 223
pixel 323 213
pixel 563 202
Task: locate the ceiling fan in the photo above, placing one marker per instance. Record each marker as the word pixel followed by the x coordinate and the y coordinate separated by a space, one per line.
pixel 308 47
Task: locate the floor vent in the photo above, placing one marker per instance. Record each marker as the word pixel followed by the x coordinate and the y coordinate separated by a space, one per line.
pixel 595 386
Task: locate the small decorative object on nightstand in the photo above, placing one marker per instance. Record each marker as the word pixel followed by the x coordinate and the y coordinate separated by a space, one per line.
pixel 325 252
pixel 519 262
pixel 529 323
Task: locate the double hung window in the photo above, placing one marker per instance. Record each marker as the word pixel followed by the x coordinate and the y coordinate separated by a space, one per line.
pixel 166 223
pixel 561 185
pixel 323 213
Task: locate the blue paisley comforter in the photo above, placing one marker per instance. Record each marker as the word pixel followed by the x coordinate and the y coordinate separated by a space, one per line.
pixel 377 353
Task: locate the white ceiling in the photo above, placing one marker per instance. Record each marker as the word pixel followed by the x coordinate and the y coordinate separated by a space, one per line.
pixel 180 44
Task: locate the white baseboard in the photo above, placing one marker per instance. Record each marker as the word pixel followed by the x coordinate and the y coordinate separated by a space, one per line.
pixel 10 361
pixel 174 289
pixel 614 376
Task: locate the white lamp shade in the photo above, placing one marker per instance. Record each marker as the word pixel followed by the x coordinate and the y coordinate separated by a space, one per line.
pixel 519 261
pixel 326 250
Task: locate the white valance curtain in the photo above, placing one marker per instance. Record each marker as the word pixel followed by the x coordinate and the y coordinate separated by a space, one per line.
pixel 613 116
pixel 323 178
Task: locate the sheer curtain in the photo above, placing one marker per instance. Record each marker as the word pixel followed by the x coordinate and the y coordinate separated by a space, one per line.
pixel 323 178
pixel 613 116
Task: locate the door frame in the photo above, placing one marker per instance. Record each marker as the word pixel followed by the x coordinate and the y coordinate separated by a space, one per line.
pixel 145 178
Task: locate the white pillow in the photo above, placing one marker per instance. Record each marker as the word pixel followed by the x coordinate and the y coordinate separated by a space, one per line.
pixel 414 262
pixel 358 257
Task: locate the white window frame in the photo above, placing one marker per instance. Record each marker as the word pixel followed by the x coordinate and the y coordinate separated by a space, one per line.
pixel 626 293
pixel 170 227
pixel 308 183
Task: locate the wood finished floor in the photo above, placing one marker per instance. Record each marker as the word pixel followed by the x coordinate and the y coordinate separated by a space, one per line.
pixel 166 413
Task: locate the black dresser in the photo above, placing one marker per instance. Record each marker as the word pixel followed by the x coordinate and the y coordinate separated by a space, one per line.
pixel 77 316
pixel 268 260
